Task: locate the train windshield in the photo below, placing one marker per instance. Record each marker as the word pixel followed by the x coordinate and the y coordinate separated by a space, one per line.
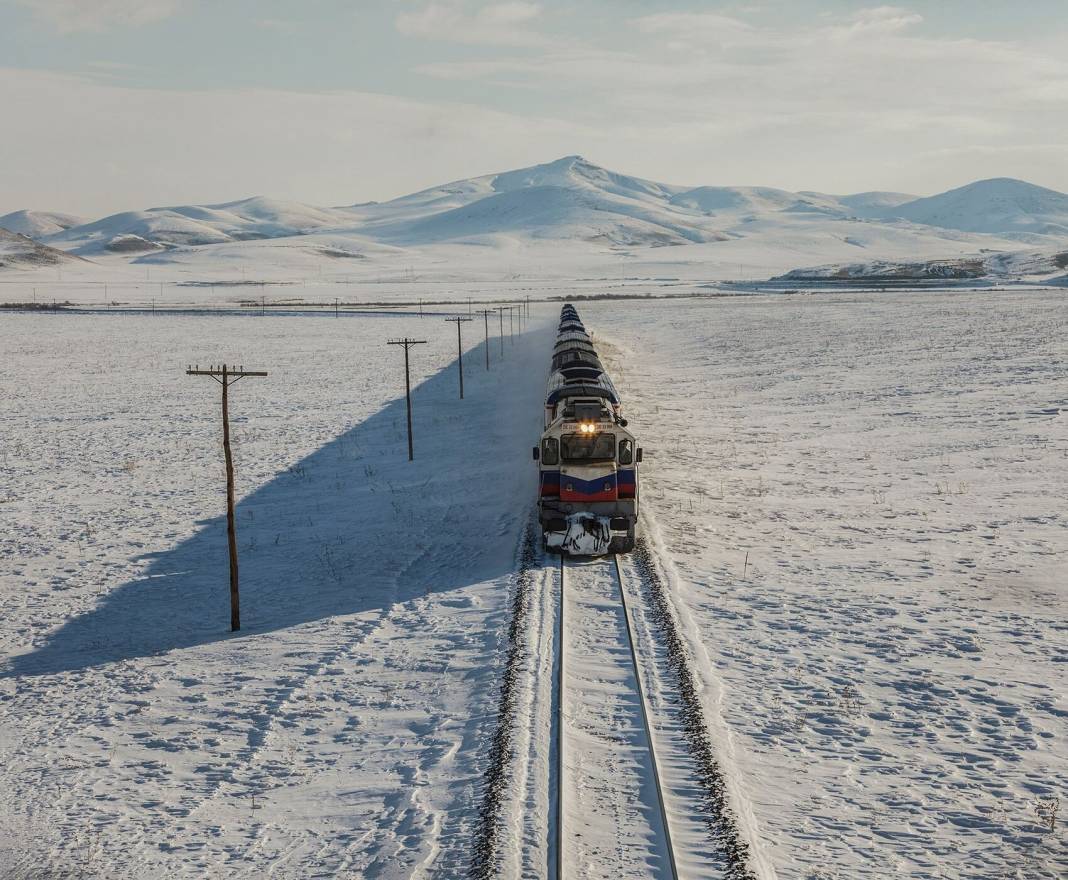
pixel 588 447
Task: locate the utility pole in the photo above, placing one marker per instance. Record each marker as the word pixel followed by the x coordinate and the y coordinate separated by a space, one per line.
pixel 335 306
pixel 227 376
pixel 511 324
pixel 500 313
pixel 485 313
pixel 458 320
pixel 408 343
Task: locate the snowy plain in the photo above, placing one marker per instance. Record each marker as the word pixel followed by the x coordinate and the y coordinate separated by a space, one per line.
pixel 885 672
pixel 861 497
pixel 341 732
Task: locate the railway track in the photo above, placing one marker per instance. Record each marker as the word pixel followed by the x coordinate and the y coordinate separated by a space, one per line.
pixel 610 813
pixel 602 764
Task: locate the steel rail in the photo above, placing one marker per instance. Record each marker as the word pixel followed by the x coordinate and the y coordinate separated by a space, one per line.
pixel 669 845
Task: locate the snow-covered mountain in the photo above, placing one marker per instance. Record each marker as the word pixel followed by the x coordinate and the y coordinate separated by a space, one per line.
pixel 187 225
pixel 566 199
pixel 1001 206
pixel 18 251
pixel 38 223
pixel 760 231
pixel 874 204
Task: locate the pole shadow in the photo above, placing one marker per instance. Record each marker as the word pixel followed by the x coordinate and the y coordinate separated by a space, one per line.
pixel 351 528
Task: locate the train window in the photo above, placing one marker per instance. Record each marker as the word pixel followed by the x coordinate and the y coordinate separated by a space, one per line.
pixel 626 451
pixel 588 447
pixel 550 451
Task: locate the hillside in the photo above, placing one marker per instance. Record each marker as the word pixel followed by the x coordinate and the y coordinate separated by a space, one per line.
pixel 188 225
pixel 722 232
pixel 1002 205
pixel 21 252
pixel 38 223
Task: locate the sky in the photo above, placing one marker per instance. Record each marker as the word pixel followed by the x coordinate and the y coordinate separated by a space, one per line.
pixel 109 105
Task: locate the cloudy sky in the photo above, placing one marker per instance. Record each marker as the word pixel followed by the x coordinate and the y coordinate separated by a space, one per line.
pixel 115 104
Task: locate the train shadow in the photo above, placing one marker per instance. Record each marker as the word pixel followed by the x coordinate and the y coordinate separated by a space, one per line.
pixel 351 528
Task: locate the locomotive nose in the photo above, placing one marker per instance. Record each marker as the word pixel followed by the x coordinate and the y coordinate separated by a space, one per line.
pixel 587 485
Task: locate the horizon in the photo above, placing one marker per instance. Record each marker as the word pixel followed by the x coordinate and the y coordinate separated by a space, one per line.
pixel 340 105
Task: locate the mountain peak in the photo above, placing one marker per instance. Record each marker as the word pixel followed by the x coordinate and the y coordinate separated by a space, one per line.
pixel 997 204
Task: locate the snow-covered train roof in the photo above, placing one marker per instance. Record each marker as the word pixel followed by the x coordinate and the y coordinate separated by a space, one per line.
pixel 575 356
pixel 573 336
pixel 568 391
pixel 558 381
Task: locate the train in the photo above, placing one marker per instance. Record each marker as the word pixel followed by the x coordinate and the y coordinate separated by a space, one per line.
pixel 588 487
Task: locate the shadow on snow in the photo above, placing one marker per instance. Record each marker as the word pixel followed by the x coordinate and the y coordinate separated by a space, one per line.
pixel 352 527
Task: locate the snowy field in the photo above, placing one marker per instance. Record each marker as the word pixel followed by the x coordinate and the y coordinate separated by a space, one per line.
pixel 889 668
pixel 341 733
pixel 885 672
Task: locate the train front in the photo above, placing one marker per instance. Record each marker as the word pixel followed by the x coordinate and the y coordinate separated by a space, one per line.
pixel 588 460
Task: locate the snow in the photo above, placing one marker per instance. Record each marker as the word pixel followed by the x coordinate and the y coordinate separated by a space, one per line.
pixel 1002 205
pixel 876 203
pixel 35 224
pixel 585 535
pixel 860 499
pixel 19 251
pixel 612 824
pixel 856 499
pixel 564 219
pixel 342 730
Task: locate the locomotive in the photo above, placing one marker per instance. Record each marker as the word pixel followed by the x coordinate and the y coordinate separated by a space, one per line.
pixel 588 460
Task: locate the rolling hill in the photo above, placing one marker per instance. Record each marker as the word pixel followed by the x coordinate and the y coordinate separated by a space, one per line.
pixel 1000 206
pixel 595 213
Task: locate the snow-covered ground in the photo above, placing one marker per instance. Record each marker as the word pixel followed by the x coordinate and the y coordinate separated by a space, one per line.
pixel 884 673
pixel 889 661
pixel 342 732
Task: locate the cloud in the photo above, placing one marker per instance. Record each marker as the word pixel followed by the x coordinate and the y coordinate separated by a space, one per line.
pixel 866 89
pixel 90 146
pixel 690 23
pixel 68 16
pixel 498 24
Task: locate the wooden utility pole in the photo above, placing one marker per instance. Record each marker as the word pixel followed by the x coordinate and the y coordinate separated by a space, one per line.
pixel 226 376
pixel 485 313
pixel 458 320
pixel 500 313
pixel 408 343
pixel 511 323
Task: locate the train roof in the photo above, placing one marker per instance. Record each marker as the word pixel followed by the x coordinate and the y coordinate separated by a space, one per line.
pixel 574 357
pixel 581 371
pixel 581 390
pixel 584 347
